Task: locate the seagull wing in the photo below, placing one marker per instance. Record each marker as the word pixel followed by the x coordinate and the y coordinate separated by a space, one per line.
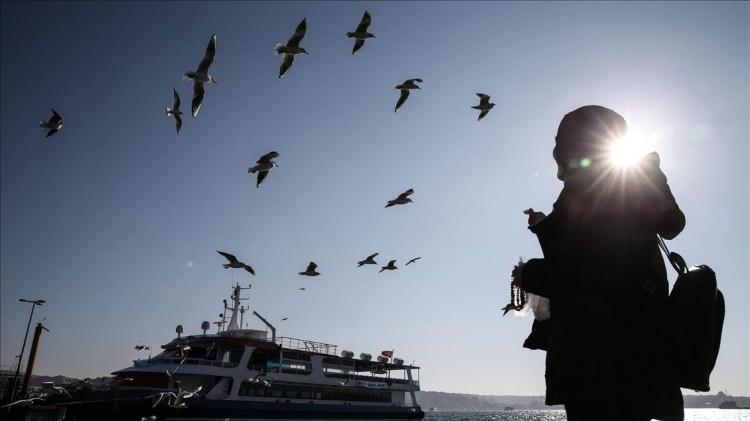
pixel 357 45
pixel 176 96
pixel 311 267
pixel 160 397
pixel 299 33
pixel 392 263
pixel 261 176
pixel 178 122
pixel 208 58
pixel 372 256
pixel 405 194
pixel 402 98
pixel 482 114
pixel 414 80
pixel 50 132
pixel 56 118
pixel 198 91
pixel 484 99
pixel 286 64
pixel 250 269
pixel 365 22
pixel 230 257
pixel 267 157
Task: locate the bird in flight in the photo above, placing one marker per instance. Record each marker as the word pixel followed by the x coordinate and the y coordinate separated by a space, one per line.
pixel 310 271
pixel 259 378
pixel 405 87
pixel 390 266
pixel 484 105
pixel 402 199
pixel 52 125
pixel 201 77
pixel 370 260
pixel 234 263
pixel 285 318
pixel 361 34
pixel 263 166
pixel 301 289
pixel 291 48
pixel 175 110
pixel 412 261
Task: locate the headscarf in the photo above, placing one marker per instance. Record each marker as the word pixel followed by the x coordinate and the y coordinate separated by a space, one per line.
pixel 585 135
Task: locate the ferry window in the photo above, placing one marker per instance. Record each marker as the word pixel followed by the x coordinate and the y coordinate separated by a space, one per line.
pixel 263 360
pixel 235 355
pixel 334 372
pixel 335 361
pixel 246 389
pixel 295 355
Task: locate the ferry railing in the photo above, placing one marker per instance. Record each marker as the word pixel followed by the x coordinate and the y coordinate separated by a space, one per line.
pixel 189 361
pixel 388 380
pixel 306 345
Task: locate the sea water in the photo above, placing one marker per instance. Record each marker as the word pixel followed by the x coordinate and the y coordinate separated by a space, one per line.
pixel 559 415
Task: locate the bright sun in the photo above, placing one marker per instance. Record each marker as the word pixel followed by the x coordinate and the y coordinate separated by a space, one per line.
pixel 627 151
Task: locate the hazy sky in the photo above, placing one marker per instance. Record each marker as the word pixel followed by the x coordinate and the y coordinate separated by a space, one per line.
pixel 115 220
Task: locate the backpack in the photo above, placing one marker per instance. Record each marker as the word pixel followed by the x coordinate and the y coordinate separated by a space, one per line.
pixel 695 321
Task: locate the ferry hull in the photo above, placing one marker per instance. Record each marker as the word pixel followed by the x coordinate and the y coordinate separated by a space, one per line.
pixel 205 409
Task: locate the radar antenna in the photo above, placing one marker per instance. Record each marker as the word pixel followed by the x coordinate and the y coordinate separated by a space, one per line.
pixel 235 309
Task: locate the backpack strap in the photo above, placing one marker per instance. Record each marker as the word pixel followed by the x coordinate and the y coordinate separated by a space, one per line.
pixel 677 262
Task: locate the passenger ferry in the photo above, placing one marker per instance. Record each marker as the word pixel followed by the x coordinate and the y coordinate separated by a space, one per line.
pixel 240 374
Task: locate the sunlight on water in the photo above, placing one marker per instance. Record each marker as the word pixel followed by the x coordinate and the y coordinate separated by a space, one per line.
pixel 690 415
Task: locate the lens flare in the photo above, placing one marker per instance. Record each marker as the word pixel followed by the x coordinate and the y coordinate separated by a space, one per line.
pixel 627 151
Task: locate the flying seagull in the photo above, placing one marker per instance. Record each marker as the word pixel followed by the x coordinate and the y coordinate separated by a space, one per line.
pixel 310 271
pixel 402 199
pixel 285 318
pixel 361 34
pixel 301 289
pixel 484 105
pixel 391 266
pixel 405 88
pixel 259 378
pixel 412 261
pixel 54 123
pixel 175 110
pixel 201 77
pixel 234 263
pixel 291 48
pixel 370 260
pixel 263 166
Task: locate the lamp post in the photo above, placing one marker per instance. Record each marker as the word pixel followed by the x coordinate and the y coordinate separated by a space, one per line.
pixel 34 303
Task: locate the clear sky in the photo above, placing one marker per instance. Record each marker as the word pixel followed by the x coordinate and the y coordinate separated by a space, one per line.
pixel 115 220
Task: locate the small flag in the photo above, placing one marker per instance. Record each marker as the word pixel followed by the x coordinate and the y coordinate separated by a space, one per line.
pixel 388 354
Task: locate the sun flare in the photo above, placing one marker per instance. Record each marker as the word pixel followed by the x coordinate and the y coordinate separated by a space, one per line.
pixel 627 151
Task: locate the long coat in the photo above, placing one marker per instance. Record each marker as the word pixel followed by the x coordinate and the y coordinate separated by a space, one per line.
pixel 607 285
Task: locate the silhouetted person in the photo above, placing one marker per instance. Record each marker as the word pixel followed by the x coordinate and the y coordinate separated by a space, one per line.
pixel 605 278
